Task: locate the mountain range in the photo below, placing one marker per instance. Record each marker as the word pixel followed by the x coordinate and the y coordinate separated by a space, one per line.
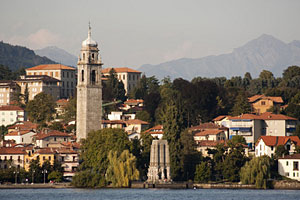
pixel 264 53
pixel 58 55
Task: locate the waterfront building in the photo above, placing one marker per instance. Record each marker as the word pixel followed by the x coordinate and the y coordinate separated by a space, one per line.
pixel 65 74
pixel 289 166
pixel 128 76
pixel 89 89
pixel 12 156
pixel 266 145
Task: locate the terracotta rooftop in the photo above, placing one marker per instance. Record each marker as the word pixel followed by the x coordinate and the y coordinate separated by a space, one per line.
pixel 219 117
pixel 119 70
pixel 135 121
pixel 278 140
pixel 12 150
pixel 293 156
pixel 113 122
pixel 245 116
pixel 210 143
pixel 62 101
pixel 257 97
pixel 271 116
pixel 30 78
pixel 11 108
pixel 208 132
pixel 26 125
pixel 205 126
pixel 51 133
pixel 15 133
pixel 50 67
pixel 158 129
pixel 46 150
pixel 71 144
pixel 129 101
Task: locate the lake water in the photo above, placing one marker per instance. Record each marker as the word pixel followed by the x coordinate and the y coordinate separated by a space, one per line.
pixel 145 194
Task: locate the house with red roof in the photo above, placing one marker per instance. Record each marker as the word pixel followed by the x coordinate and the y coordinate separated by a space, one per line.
pixel 53 138
pixel 20 136
pixel 128 76
pixel 261 103
pixel 11 114
pixel 12 156
pixel 266 145
pixel 23 126
pixel 156 131
pixel 212 135
pixel 134 127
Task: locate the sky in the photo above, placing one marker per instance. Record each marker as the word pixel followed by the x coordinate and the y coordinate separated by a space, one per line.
pixel 131 33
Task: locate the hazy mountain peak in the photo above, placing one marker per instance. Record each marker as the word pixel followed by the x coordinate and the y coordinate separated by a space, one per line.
pixel 58 55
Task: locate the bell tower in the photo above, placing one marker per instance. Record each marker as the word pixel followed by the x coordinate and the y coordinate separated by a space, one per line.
pixel 89 89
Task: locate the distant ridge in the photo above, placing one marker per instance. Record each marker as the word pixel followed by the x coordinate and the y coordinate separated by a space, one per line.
pixel 265 52
pixel 58 55
pixel 16 57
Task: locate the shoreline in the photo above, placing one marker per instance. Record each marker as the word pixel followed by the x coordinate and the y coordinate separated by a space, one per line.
pixel 277 185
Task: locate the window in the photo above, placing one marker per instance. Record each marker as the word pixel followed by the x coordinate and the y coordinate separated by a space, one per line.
pixel 287 163
pixel 51 74
pixel 295 165
pixel 272 148
pixel 44 158
pixel 67 74
pixel 123 76
pixel 82 75
pixel 62 159
pixel 63 75
pixel 288 147
pixel 54 138
pixel 263 103
pixel 74 158
pixel 93 77
pixel 49 157
pixel 56 74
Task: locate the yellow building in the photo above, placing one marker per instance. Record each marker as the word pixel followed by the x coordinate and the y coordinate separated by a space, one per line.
pixel 42 154
pixel 261 103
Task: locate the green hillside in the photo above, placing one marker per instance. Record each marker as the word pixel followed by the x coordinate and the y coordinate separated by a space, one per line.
pixel 16 57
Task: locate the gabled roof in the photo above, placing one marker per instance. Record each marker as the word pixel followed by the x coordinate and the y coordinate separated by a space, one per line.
pixel 120 70
pixel 220 117
pixel 158 129
pixel 205 126
pixel 244 116
pixel 258 97
pixel 209 132
pixel 11 108
pixel 46 150
pixel 51 67
pixel 278 140
pixel 12 150
pixel 136 121
pixel 51 133
pixel 15 133
pixel 271 116
pixel 26 125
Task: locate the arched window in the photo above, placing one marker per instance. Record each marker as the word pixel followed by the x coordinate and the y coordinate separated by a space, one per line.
pixel 83 56
pixel 82 75
pixel 93 77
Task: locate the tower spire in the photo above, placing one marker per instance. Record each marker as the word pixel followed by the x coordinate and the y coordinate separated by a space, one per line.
pixel 90 30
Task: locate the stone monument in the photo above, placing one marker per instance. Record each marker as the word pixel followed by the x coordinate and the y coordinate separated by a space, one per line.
pixel 89 89
pixel 159 168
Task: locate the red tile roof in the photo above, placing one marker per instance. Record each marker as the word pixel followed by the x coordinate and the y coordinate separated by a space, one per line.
pixel 71 144
pixel 120 70
pixel 209 132
pixel 293 156
pixel 245 116
pixel 278 140
pixel 46 150
pixel 26 125
pixel 158 129
pixel 12 108
pixel 205 126
pixel 135 121
pixel 271 116
pixel 15 133
pixel 51 133
pixel 130 101
pixel 210 143
pixel 219 117
pixel 50 67
pixel 62 101
pixel 113 122
pixel 12 150
pixel 257 97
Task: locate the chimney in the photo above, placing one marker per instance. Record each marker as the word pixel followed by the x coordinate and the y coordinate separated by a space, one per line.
pixel 19 133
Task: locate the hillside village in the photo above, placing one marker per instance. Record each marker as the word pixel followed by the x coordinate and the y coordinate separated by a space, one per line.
pixel 25 139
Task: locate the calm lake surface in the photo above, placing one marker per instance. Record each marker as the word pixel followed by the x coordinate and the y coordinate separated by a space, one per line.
pixel 145 194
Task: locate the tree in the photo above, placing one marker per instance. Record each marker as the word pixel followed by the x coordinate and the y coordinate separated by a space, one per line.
pixel 113 89
pixel 236 140
pixel 70 110
pixel 241 105
pixel 280 151
pixel 256 171
pixel 121 169
pixel 291 72
pixel 55 176
pixel 41 108
pixel 266 75
pixel 57 126
pixel 203 172
pixel 144 116
pixel 94 156
pixel 36 170
pixel 143 160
